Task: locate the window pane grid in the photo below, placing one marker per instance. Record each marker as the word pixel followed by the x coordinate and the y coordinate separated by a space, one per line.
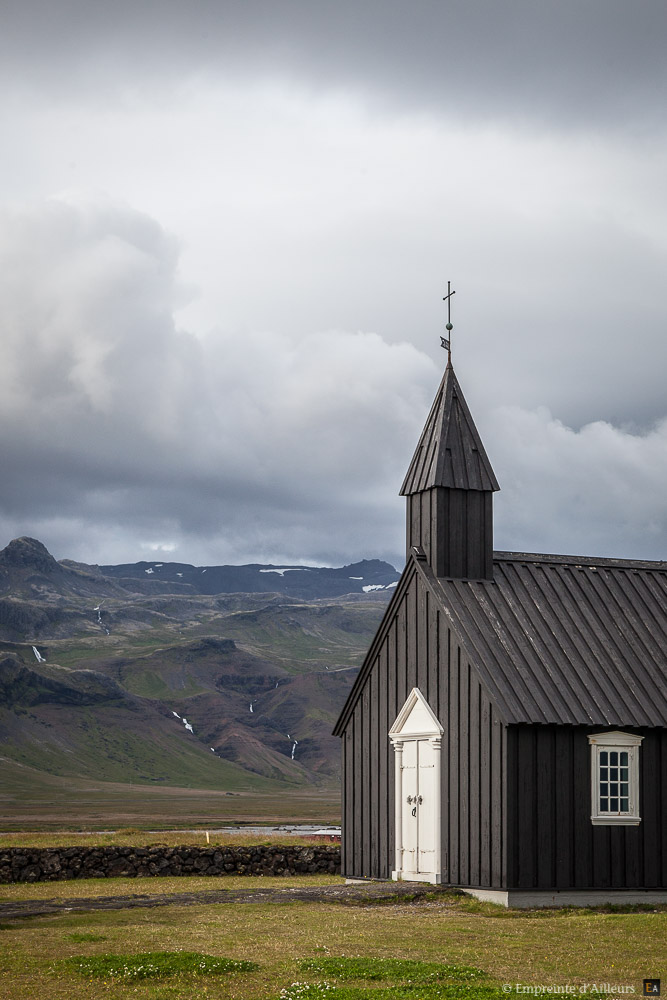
pixel 615 791
pixel 614 787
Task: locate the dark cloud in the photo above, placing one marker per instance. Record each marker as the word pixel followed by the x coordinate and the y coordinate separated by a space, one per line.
pixel 601 61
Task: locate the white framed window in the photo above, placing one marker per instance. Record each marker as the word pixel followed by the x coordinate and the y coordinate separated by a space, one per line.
pixel 615 778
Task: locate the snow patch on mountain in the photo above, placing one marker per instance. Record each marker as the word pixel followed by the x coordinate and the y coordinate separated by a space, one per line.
pixel 185 722
pixel 286 569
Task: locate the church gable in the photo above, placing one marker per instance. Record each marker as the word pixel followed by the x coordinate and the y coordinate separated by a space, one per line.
pixel 416 718
pixel 416 646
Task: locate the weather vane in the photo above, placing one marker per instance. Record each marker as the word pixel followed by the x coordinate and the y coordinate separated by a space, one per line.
pixel 446 341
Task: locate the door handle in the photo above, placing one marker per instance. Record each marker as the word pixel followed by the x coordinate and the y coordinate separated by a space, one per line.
pixel 414 811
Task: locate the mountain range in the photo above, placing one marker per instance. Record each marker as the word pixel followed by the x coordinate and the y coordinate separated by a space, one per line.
pixel 221 678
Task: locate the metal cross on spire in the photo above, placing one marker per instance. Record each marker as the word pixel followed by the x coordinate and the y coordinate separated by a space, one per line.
pixel 446 341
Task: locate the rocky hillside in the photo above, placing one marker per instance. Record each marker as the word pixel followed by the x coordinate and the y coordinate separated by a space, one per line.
pixel 162 673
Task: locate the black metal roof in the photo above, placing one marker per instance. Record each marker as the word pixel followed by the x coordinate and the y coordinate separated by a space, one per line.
pixel 565 639
pixel 450 452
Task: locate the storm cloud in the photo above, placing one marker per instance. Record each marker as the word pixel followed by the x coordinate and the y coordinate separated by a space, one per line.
pixel 564 63
pixel 225 235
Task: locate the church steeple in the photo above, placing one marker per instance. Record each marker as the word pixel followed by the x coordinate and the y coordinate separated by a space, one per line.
pixel 449 488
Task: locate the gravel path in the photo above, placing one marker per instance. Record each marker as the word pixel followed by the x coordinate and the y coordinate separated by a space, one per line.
pixel 356 894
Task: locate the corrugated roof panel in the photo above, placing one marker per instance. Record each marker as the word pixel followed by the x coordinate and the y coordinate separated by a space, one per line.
pixel 585 657
pixel 631 639
pixel 481 644
pixel 535 620
pixel 567 639
pixel 523 637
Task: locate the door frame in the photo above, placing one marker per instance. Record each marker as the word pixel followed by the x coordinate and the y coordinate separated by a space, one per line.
pixel 416 721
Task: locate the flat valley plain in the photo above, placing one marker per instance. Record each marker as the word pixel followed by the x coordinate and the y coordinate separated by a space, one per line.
pixel 38 802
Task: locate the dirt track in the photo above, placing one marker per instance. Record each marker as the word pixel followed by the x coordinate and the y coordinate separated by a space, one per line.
pixel 355 895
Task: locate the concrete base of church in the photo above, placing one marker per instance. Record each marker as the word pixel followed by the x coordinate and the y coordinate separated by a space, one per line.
pixel 524 899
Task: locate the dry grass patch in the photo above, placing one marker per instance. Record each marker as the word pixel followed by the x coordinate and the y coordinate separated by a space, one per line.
pixel 173 838
pixel 150 885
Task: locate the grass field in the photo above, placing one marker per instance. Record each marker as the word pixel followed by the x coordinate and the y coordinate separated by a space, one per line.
pixel 576 949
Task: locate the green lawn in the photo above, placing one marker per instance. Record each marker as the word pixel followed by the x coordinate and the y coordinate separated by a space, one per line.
pixel 561 949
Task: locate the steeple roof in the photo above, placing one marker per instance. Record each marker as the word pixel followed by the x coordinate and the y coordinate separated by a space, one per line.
pixel 450 452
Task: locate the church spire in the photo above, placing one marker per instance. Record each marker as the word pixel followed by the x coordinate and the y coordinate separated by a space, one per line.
pixel 449 488
pixel 450 452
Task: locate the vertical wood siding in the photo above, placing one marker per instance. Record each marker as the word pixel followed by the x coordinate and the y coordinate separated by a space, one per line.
pixel 455 529
pixel 552 842
pixel 425 655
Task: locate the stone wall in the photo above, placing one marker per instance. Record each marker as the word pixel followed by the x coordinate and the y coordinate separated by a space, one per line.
pixel 32 864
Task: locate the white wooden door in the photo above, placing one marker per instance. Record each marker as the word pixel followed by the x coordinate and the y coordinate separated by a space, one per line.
pixel 409 820
pixel 419 806
pixel 417 740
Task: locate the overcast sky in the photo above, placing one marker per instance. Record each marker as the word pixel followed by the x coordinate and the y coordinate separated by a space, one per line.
pixel 225 233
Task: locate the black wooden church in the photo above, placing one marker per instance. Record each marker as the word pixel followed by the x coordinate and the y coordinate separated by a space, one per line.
pixel 507 733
